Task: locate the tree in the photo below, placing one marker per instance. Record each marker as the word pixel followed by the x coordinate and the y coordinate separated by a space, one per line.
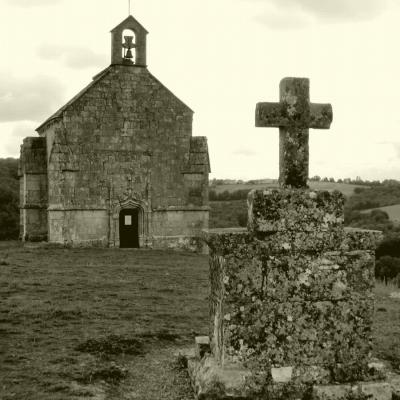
pixel 9 195
pixel 390 246
pixel 387 268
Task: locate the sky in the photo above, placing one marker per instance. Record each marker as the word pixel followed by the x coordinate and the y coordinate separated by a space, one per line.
pixel 221 57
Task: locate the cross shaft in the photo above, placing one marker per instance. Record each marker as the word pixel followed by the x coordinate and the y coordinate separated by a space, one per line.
pixel 294 115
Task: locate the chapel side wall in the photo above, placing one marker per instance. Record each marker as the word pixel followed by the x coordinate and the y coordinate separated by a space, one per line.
pixel 33 190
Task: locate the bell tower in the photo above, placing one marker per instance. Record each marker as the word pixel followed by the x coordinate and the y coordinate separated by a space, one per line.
pixel 128 43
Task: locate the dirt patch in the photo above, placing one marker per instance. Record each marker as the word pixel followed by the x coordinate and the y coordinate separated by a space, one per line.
pixel 111 373
pixel 112 345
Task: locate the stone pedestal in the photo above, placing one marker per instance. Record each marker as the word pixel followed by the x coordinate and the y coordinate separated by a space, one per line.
pixel 291 302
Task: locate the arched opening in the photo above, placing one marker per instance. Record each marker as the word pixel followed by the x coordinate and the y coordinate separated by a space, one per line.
pixel 129 228
pixel 129 46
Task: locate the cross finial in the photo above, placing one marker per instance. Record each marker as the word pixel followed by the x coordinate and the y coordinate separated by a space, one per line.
pixel 294 115
pixel 129 7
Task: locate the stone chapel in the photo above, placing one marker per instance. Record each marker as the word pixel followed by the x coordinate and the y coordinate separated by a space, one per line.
pixel 117 165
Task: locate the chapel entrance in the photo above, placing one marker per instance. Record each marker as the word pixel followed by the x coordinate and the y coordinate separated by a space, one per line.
pixel 129 228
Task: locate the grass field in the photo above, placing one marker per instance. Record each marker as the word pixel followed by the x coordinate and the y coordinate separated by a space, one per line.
pixel 393 212
pixel 224 214
pixel 345 188
pixel 74 322
pixel 105 324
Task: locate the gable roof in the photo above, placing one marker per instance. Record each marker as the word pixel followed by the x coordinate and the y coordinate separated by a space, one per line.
pixel 59 112
pixel 97 78
pixel 127 20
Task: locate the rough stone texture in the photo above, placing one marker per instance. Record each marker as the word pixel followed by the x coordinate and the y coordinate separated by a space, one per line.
pixel 294 115
pixel 202 346
pixel 211 381
pixel 138 32
pixel 291 296
pixel 33 189
pixel 125 141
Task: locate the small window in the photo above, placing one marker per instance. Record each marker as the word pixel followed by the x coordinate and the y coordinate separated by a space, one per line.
pixel 128 219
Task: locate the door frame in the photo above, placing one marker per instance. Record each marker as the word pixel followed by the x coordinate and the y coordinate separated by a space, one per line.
pixel 143 225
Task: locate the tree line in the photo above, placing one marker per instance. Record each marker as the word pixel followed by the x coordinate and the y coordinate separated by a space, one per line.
pixel 9 199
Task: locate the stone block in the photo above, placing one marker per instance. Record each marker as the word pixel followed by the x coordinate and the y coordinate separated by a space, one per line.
pixel 202 346
pixel 376 390
pixel 331 392
pixel 282 374
pixel 211 381
pixel 294 210
pixel 273 304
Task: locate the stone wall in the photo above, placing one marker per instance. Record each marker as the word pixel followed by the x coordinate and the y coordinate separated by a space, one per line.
pixel 33 189
pixel 295 290
pixel 84 227
pixel 125 139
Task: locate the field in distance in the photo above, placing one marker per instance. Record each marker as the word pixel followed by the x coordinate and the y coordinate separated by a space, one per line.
pixel 346 188
pixel 392 211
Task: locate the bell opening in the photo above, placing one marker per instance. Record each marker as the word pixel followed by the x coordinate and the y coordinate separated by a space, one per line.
pixel 129 46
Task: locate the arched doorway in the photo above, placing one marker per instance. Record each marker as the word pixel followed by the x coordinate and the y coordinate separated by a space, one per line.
pixel 129 228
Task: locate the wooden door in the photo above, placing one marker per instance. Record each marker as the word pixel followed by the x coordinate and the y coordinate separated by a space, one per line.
pixel 129 228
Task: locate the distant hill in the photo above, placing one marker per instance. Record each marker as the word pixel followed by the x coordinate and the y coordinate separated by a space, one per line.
pixel 345 188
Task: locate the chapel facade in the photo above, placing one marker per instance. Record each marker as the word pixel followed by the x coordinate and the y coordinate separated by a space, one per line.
pixel 117 166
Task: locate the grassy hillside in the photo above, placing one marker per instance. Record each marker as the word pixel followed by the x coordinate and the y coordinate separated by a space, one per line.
pixel 392 211
pixel 226 214
pixel 346 189
pixel 106 323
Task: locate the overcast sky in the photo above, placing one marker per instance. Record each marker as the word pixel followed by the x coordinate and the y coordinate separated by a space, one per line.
pixel 221 57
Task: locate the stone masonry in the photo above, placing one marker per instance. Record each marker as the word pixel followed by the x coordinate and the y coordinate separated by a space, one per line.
pixel 124 142
pixel 291 300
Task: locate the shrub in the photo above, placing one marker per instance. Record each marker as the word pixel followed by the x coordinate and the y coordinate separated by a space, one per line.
pixel 387 268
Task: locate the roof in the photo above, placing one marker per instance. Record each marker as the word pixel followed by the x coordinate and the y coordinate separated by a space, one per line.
pixel 132 20
pixel 97 78
pixel 58 113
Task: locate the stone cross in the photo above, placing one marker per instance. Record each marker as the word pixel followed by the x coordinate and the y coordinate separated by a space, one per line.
pixel 294 115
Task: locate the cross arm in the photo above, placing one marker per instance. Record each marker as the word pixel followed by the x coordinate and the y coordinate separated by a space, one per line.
pixel 270 115
pixel 321 116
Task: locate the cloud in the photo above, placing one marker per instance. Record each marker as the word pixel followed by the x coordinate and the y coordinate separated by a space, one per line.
pixel 21 131
pixel 396 147
pixel 298 13
pixel 72 56
pixel 245 152
pixel 18 133
pixel 279 20
pixel 28 99
pixel 33 3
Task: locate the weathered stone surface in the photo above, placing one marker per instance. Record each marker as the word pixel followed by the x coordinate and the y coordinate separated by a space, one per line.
pixel 294 210
pixel 394 382
pixel 331 392
pixel 290 295
pixel 202 346
pixel 33 189
pixel 294 115
pixel 282 374
pixel 124 142
pixel 212 381
pixel 376 390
